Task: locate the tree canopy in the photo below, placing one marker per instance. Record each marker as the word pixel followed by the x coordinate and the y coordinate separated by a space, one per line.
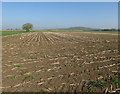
pixel 27 26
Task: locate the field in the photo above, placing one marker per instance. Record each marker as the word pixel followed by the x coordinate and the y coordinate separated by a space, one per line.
pixel 4 33
pixel 9 32
pixel 60 62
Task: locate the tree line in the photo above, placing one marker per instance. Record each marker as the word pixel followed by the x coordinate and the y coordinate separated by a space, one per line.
pixel 29 26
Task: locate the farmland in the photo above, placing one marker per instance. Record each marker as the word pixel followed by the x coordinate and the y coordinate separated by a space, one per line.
pixel 4 33
pixel 60 62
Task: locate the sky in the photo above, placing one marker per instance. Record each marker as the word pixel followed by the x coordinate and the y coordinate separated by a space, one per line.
pixel 51 15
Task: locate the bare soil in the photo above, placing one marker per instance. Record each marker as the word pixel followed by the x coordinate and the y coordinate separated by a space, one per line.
pixel 58 61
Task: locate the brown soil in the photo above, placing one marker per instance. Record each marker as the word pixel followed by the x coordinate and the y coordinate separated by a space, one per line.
pixel 57 61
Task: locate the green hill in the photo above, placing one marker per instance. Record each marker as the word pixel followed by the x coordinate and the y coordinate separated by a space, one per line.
pixel 80 28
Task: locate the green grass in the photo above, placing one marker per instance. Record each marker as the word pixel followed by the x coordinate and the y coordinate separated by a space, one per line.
pixel 4 33
pixel 43 91
pixel 11 62
pixel 92 84
pixel 42 67
pixel 32 77
pixel 13 77
pixel 103 83
pixel 18 66
pixel 65 65
pixel 26 78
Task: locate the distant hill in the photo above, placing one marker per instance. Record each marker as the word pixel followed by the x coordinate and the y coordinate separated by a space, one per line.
pixel 80 28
